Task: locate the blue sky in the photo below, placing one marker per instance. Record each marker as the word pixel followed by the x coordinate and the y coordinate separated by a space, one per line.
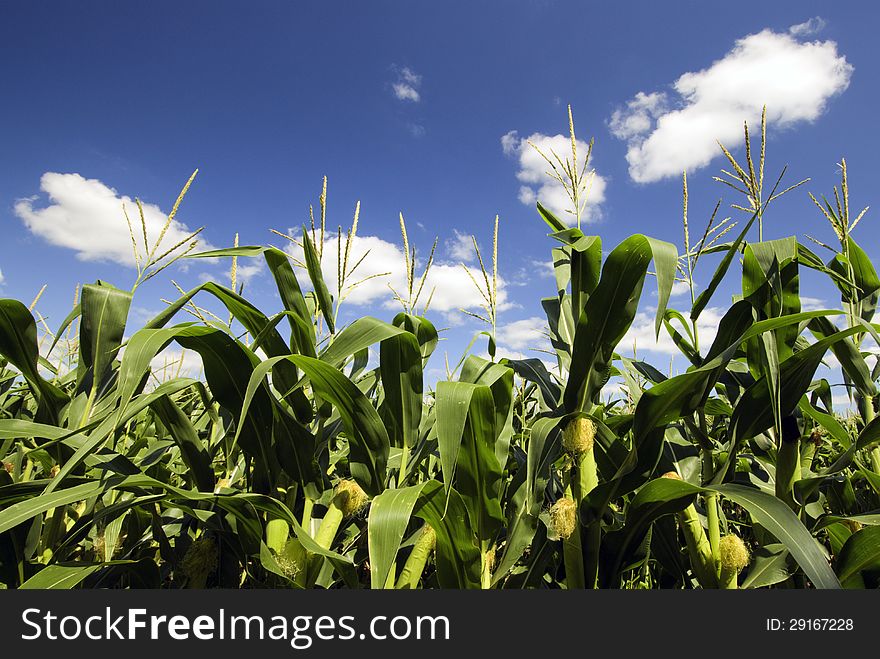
pixel 410 107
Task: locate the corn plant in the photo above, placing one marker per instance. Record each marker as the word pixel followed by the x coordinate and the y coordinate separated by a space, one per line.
pixel 294 460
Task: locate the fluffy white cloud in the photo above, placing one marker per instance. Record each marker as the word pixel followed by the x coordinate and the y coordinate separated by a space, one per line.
pixel 2 278
pixel 461 247
pixel 537 185
pixel 523 334
pixel 681 288
pixel 639 115
pixel 641 333
pixel 406 87
pixel 86 215
pixel 247 269
pixel 667 133
pixel 384 267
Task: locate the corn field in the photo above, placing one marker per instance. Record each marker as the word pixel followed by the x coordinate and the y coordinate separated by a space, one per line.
pixel 312 455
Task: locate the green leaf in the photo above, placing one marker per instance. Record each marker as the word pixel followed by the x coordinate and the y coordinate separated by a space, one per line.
pixel 193 452
pixel 499 379
pixel 25 510
pixel 661 496
pixel 457 557
pixel 368 440
pixel 754 412
pixel 313 266
pixel 851 360
pixel 610 311
pixel 552 221
pixel 769 566
pixel 104 310
pixel 534 370
pixel 466 439
pixel 704 297
pixel 860 552
pixel 59 577
pixel 260 327
pixel 580 264
pixel 362 333
pixel 103 427
pixel 390 514
pixel 18 344
pixel 400 367
pixel 300 319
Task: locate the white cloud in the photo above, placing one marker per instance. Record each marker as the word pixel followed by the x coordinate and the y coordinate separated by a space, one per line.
pixel 544 268
pixel 2 278
pixel 667 133
pixel 86 215
pixel 641 334
pixel 248 268
pixel 808 28
pixel 537 185
pixel 406 87
pixel 523 334
pixel 812 303
pixel 680 288
pixel 383 266
pixel 461 247
pixel 639 116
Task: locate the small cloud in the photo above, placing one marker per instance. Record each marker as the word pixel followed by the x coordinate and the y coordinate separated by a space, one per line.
pixel 666 133
pixel 537 185
pixel 141 315
pixel 247 268
pixel 812 303
pixel 638 117
pixel 416 130
pixel 680 288
pixel 544 268
pixel 406 87
pixel 808 28
pixel 510 142
pixel 523 334
pixel 2 278
pixel 461 247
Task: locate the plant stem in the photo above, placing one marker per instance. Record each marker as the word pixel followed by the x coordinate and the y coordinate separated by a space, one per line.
pixel 728 580
pixel 714 524
pixel 875 459
pixel 699 549
pixel 588 479
pixel 404 459
pixel 308 505
pixel 573 554
pixel 711 502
